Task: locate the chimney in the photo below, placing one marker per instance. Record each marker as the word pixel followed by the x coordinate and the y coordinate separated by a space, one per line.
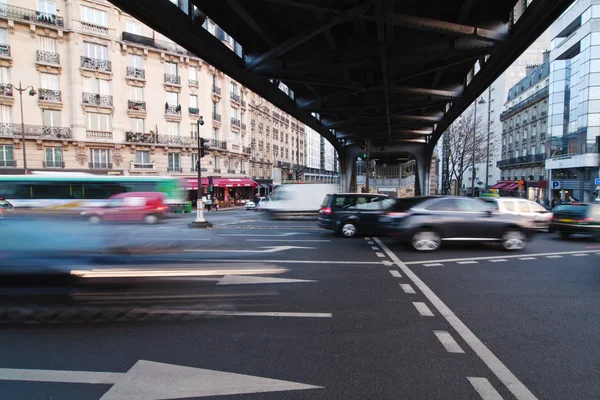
pixel 546 56
pixel 529 69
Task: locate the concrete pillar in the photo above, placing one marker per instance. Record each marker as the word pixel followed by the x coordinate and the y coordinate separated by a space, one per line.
pixel 348 167
pixel 423 158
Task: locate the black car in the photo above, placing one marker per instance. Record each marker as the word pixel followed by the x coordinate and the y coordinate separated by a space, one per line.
pixel 351 213
pixel 424 222
pixel 582 218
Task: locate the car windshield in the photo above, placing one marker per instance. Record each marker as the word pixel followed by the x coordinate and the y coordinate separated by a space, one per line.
pixel 5 204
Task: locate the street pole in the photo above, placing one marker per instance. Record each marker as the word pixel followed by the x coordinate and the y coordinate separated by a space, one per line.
pixel 32 92
pixel 487 158
pixel 199 204
pixel 473 153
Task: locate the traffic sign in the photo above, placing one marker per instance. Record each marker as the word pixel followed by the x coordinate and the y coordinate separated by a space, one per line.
pixel 555 185
pixel 597 181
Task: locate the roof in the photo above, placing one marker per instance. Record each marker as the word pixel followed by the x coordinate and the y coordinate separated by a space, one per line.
pixel 536 75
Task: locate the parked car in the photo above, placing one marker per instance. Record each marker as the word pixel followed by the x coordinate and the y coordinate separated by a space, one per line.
pixel 6 208
pixel 148 207
pixel 537 213
pixel 261 203
pixel 425 222
pixel 250 205
pixel 582 218
pixel 351 213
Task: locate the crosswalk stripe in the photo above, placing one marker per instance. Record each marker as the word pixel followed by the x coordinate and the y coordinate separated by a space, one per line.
pixel 395 273
pixel 484 388
pixel 407 288
pixel 423 309
pixel 448 342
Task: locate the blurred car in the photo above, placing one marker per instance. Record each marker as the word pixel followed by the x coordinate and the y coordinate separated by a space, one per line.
pixel 250 205
pixel 6 208
pixel 148 207
pixel 576 218
pixel 261 202
pixel 424 222
pixel 350 213
pixel 522 208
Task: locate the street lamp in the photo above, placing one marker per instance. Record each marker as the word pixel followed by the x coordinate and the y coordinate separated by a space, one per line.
pixel 200 222
pixel 480 101
pixel 487 157
pixel 32 92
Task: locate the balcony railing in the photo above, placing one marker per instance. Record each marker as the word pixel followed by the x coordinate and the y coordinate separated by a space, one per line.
pixel 244 105
pixel 134 105
pixel 193 82
pixel 53 164
pixel 246 150
pixel 6 90
pixel 97 29
pixel 216 90
pixel 25 14
pixel 136 73
pixel 8 163
pixel 243 126
pixel 142 165
pixel 49 95
pixel 142 138
pixel 96 63
pixel 231 171
pixel 172 79
pixel 40 131
pixel 194 110
pixel 174 169
pixel 4 50
pixel 236 122
pixel 99 135
pixel 218 144
pixel 521 105
pixel 173 109
pixel 48 57
pixel 216 117
pixel 157 44
pixel 100 165
pixel 96 99
pixel 532 158
pixel 235 97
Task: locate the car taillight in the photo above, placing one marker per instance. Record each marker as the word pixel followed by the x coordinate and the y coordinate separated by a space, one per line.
pixel 588 219
pixel 397 214
pixel 326 211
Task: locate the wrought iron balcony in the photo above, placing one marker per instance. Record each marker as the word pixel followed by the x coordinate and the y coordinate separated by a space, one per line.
pixel 100 165
pixel 236 122
pixel 235 97
pixel 134 105
pixel 94 28
pixel 172 79
pixel 194 110
pixel 136 73
pixel 244 105
pixel 216 90
pixel 40 131
pixel 216 117
pixel 157 44
pixel 53 164
pixel 173 109
pixel 243 126
pixel 193 82
pixel 6 90
pixel 96 64
pixel 26 14
pixel 150 138
pixel 48 57
pixel 8 163
pixel 49 95
pixel 4 50
pixel 231 171
pixel 99 135
pixel 218 144
pixel 532 158
pixel 246 150
pixel 105 100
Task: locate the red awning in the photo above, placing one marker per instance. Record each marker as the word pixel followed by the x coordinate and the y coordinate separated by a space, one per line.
pixel 511 186
pixel 192 183
pixel 542 184
pixel 499 185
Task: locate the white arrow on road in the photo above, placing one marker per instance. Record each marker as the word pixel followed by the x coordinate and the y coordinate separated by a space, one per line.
pixel 254 280
pixel 257 235
pixel 149 380
pixel 270 249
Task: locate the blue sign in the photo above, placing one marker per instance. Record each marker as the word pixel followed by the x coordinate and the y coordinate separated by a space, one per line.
pixel 555 185
pixel 597 181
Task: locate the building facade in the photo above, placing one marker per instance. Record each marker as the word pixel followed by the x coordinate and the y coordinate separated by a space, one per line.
pixel 524 130
pixel 573 146
pixel 112 96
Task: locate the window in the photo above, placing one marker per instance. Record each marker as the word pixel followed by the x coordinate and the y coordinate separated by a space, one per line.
pixel 135 61
pixel 136 93
pixel 524 206
pixel 235 138
pixel 171 68
pixel 215 108
pixel 195 162
pixel 174 164
pixel 93 50
pixel 142 157
pixel 133 27
pixel 49 81
pixel 193 101
pixel 173 128
pixel 94 16
pixel 3 33
pixel 193 74
pixel 51 118
pixel 100 158
pixel 97 86
pixel 215 134
pixel 46 6
pixel 173 98
pixel 366 203
pixel 48 44
pixel 99 122
pixel 5 114
pixel 443 205
pixel 4 75
pixel 6 156
pixel 234 113
pixel 234 88
pixel 137 125
pixel 471 205
pixel 193 130
pixel 54 157
pixel 217 163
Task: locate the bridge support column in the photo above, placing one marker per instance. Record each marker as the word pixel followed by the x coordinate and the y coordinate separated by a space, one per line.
pixel 423 158
pixel 348 167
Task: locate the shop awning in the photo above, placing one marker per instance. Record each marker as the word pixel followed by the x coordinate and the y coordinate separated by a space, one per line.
pixel 192 183
pixel 511 186
pixel 499 185
pixel 542 184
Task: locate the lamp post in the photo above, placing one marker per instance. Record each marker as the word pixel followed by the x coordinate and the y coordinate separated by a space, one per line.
pixel 32 92
pixel 200 222
pixel 480 101
pixel 487 157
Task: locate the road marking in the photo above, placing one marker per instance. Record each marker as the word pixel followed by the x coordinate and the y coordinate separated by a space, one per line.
pixel 255 280
pixel 152 380
pixel 254 235
pixel 527 258
pixel 289 240
pixel 387 263
pixel 423 309
pixel 367 238
pixel 270 249
pixel 484 388
pixel 395 273
pixel 467 262
pixel 370 242
pixel 380 255
pixel 229 260
pixel 516 387
pixel 553 256
pixel 142 271
pixel 579 255
pixel 434 265
pixel 499 260
pixel 448 342
pixel 407 288
pixel 241 313
pixel 374 248
pixel 495 257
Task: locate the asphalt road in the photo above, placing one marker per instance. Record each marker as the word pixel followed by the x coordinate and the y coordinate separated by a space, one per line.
pixel 359 318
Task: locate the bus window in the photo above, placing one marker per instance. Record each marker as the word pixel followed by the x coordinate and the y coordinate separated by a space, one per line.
pixel 100 191
pixel 43 190
pixel 141 187
pixel 8 190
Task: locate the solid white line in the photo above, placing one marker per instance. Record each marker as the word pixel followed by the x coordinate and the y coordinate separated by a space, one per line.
pixel 407 288
pixel 243 313
pixel 527 258
pixel 380 255
pixel 395 273
pixel 493 257
pixel 467 262
pixel 499 260
pixel 434 265
pixel 387 263
pixel 41 375
pixel 287 240
pixel 553 256
pixel 516 387
pixel 423 309
pixel 579 255
pixel 448 342
pixel 484 388
pixel 374 248
pixel 220 260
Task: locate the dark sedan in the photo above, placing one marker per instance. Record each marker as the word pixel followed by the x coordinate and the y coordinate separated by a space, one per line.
pixel 424 222
pixel 576 218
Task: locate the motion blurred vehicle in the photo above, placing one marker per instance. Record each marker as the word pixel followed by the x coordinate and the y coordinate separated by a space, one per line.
pixel 250 205
pixel 351 213
pixel 298 200
pixel 424 222
pixel 6 208
pixel 261 202
pixel 148 207
pixel 522 208
pixel 576 218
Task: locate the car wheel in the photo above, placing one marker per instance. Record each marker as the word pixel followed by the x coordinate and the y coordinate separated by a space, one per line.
pixel 94 219
pixel 348 229
pixel 426 240
pixel 514 240
pixel 150 219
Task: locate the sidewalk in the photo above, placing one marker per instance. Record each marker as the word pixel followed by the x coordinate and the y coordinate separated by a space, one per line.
pixel 223 209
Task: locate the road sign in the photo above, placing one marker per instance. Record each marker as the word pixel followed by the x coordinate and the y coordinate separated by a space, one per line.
pixel 153 381
pixel 555 185
pixel 597 181
pixel 598 188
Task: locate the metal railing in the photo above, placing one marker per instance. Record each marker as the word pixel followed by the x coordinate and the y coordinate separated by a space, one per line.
pixel 532 158
pixel 244 105
pixel 194 110
pixel 217 170
pixel 235 97
pixel 105 100
pixel 216 90
pixel 8 163
pixel 49 95
pixel 531 99
pixel 100 165
pixel 53 164
pixel 6 90
pixel 26 14
pixel 4 50
pixel 98 135
pixel 47 57
pixel 246 150
pixel 216 117
pixel 192 82
pixel 172 79
pixel 149 138
pixel 157 44
pixel 172 109
pixel 136 73
pixel 94 28
pixel 136 165
pixel 236 122
pixel 134 105
pixel 174 169
pixel 50 132
pixel 96 64
pixel 243 126
pixel 231 171
pixel 218 144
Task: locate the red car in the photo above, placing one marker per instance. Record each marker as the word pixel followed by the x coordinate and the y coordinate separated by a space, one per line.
pixel 148 207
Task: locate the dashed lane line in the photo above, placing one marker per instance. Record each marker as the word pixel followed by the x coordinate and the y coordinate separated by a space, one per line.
pixel 380 255
pixel 527 258
pixel 467 262
pixel 513 384
pixel 395 273
pixel 367 238
pixel 423 309
pixel 499 260
pixel 448 342
pixel 553 256
pixel 370 242
pixel 387 263
pixel 407 288
pixel 271 261
pixel 374 248
pixel 484 388
pixel 580 255
pixel 434 265
pixel 496 257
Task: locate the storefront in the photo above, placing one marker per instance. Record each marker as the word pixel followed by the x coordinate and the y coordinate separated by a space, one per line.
pixel 265 187
pixel 531 190
pixel 229 191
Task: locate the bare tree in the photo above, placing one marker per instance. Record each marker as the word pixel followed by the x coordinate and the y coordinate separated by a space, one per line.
pixel 460 145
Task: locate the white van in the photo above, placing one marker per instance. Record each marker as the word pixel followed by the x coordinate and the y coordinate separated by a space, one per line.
pixel 523 208
pixel 298 200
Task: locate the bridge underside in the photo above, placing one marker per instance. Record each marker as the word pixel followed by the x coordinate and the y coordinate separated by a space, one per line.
pixel 394 72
